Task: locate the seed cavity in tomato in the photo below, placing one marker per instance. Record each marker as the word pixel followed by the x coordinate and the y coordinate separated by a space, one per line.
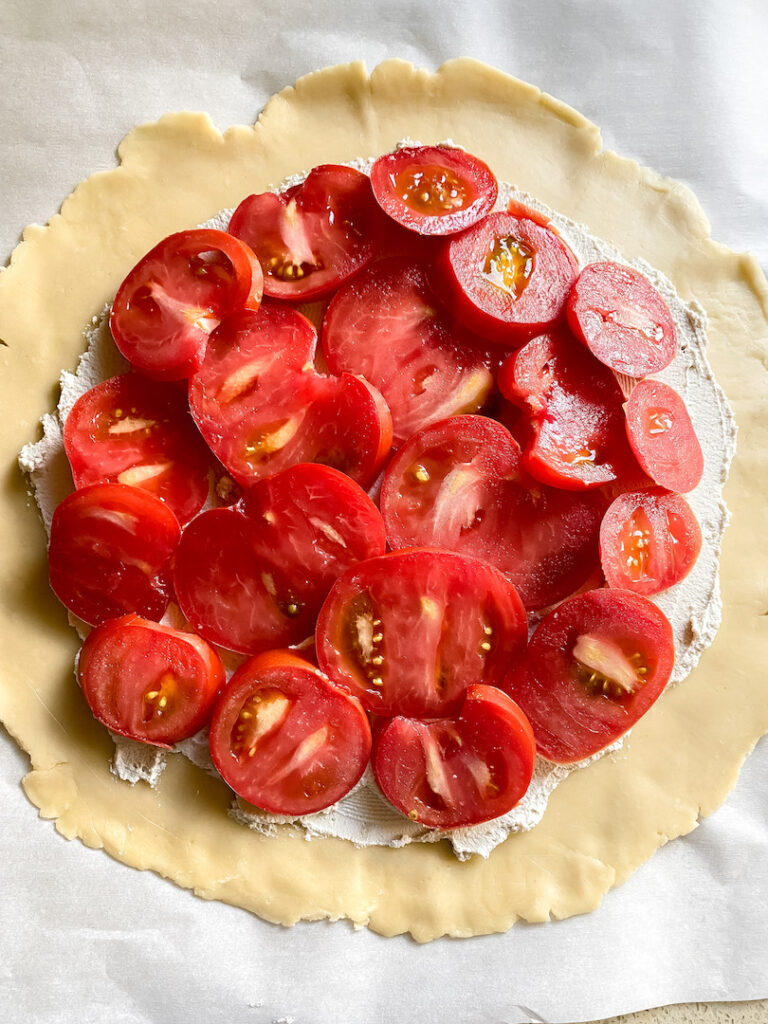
pixel 604 667
pixel 509 265
pixel 432 189
pixel 260 715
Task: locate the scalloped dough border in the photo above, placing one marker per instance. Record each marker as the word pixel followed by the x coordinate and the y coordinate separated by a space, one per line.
pixel 601 824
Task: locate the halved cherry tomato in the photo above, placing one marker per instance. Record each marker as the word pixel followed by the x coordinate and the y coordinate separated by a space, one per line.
pixel 593 667
pixel 407 633
pixel 130 430
pixel 662 436
pixel 254 576
pixel 622 319
pixel 312 237
pixel 173 298
pixel 285 738
pixel 457 771
pixel 149 682
pixel 110 552
pixel 387 325
pixel 649 540
pixel 433 190
pixel 261 407
pixel 459 485
pixel 507 278
pixel 575 410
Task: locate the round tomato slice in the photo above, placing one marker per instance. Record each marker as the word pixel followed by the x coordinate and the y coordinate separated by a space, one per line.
pixel 149 682
pixel 459 485
pixel 261 407
pixel 254 576
pixel 663 438
pixel 593 667
pixel 173 298
pixel 574 405
pixel 433 190
pixel 387 326
pixel 312 237
pixel 649 540
pixel 622 319
pixel 507 278
pixel 285 738
pixel 407 633
pixel 457 771
pixel 129 430
pixel 110 552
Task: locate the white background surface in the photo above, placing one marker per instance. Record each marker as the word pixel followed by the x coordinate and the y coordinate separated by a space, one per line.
pixel 681 86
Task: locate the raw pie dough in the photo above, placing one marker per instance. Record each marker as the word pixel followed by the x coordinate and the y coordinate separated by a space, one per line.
pixel 602 823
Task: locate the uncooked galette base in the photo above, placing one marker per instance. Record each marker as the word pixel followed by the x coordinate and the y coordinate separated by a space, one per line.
pixel 602 823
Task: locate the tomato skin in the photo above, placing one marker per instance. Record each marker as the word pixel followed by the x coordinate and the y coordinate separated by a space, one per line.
pixel 459 771
pixel 649 541
pixel 541 270
pixel 168 304
pixel 459 485
pixel 123 660
pixel 662 436
pixel 326 227
pixel 571 717
pixel 426 624
pixel 110 553
pixel 622 319
pixel 310 745
pixel 461 189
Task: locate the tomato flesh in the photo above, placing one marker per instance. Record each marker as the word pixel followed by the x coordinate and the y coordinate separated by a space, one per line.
pixel 285 738
pixel 663 437
pixel 593 667
pixel 166 308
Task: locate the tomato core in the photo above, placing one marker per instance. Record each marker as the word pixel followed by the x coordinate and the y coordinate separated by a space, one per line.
pixel 509 265
pixel 603 667
pixel 260 714
pixel 431 189
pixel 658 421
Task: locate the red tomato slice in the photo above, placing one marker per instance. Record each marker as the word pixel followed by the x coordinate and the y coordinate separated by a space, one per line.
pixel 461 771
pixel 173 298
pixel 662 436
pixel 129 430
pixel 254 577
pixel 261 407
pixel 407 633
pixel 622 319
pixel 649 540
pixel 507 278
pixel 459 485
pixel 110 552
pixel 149 682
pixel 575 410
pixel 433 190
pixel 312 237
pixel 387 326
pixel 285 738
pixel 593 667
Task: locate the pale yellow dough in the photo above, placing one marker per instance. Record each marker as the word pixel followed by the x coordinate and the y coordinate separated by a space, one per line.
pixel 602 823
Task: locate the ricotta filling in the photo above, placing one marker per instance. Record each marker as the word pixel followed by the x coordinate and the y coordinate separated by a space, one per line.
pixel 693 606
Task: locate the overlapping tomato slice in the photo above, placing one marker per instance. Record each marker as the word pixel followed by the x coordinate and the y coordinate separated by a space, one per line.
pixel 663 437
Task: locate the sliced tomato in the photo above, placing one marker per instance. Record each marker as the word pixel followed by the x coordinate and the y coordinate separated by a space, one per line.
pixel 149 682
pixel 662 436
pixel 129 430
pixel 407 633
pixel 314 236
pixel 459 485
pixel 507 278
pixel 261 407
pixel 574 406
pixel 388 326
pixel 285 738
pixel 622 319
pixel 173 298
pixel 110 552
pixel 254 576
pixel 649 540
pixel 593 667
pixel 433 190
pixel 457 771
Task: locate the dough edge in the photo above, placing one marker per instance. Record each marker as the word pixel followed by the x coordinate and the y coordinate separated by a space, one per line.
pixel 681 760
